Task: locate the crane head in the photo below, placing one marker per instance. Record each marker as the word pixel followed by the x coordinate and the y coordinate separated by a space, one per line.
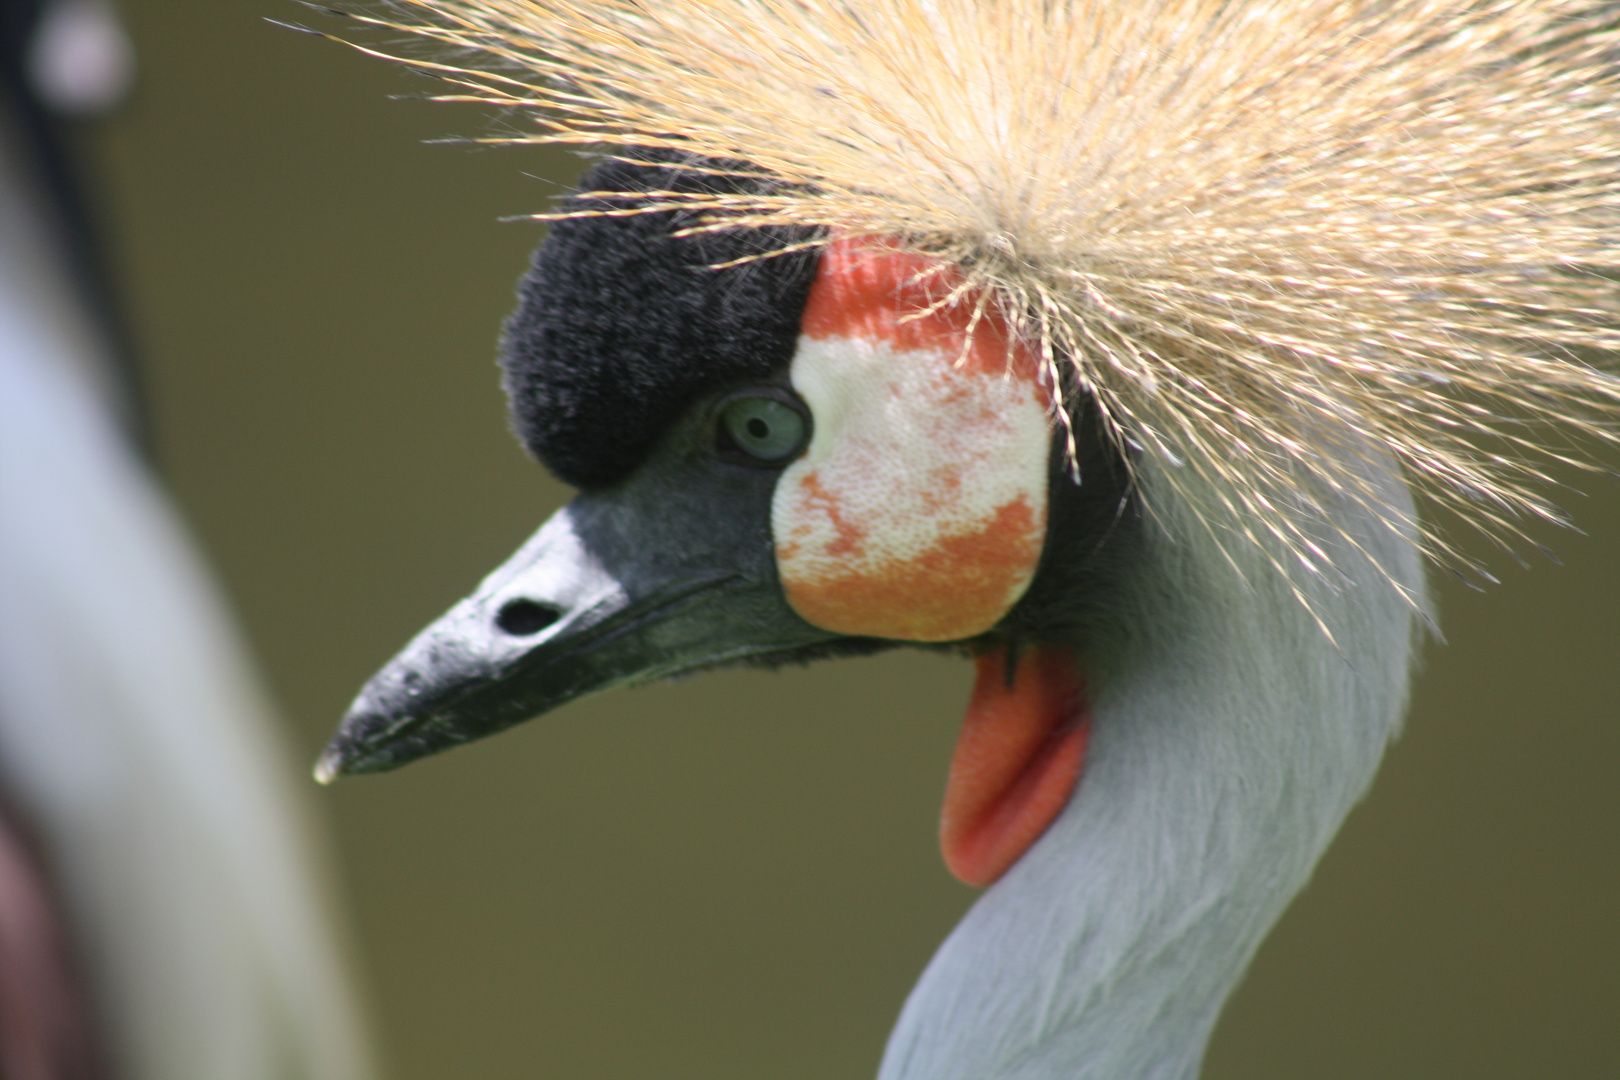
pixel 818 343
pixel 787 447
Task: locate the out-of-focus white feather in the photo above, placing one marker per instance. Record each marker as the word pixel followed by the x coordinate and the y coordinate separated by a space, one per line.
pixel 135 738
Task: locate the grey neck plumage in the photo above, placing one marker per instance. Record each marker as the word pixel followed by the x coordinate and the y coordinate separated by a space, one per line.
pixel 1230 738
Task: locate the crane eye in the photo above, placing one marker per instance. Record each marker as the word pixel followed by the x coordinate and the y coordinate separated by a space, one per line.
pixel 764 429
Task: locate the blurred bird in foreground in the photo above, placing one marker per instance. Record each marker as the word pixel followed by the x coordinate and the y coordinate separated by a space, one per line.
pixel 1114 345
pixel 159 911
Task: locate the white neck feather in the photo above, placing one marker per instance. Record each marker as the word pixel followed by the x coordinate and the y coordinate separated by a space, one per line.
pixel 1230 738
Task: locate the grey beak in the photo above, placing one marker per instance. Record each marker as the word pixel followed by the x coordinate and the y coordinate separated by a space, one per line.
pixel 615 589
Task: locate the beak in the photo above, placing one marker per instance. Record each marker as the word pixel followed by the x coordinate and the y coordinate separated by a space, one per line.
pixel 617 588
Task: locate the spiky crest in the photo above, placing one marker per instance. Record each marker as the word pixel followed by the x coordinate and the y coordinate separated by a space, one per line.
pixel 1272 237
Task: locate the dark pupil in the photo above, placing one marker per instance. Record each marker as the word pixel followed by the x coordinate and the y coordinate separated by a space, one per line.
pixel 758 428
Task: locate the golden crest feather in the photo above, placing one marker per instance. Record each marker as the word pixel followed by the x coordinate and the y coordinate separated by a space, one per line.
pixel 1273 238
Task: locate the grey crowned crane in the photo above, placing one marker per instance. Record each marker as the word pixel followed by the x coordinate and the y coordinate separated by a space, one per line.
pixel 160 915
pixel 1109 344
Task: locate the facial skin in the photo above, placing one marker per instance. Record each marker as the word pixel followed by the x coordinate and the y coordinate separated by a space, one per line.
pixel 918 511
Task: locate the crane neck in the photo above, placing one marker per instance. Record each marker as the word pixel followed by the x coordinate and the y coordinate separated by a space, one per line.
pixel 1230 736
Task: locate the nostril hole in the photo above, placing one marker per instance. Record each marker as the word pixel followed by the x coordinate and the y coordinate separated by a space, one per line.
pixel 520 618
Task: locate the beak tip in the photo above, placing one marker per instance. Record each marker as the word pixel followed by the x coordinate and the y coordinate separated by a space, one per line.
pixel 329 766
pixel 373 740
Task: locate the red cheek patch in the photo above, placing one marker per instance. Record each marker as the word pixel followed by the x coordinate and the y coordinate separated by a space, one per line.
pixel 864 291
pixel 919 509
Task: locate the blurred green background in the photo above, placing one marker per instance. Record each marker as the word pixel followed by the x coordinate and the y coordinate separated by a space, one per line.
pixel 733 877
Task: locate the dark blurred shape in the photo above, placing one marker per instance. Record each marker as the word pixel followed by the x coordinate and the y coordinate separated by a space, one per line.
pixel 47 1031
pixel 65 63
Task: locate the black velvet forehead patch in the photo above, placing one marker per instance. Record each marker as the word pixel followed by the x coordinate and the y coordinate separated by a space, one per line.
pixel 620 326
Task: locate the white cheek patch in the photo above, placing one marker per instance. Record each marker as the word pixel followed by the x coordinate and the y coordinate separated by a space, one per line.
pixel 918 511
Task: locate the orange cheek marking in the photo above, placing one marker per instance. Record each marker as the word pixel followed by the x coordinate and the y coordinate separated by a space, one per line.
pixel 1017 761
pixel 953 589
pixel 849 537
